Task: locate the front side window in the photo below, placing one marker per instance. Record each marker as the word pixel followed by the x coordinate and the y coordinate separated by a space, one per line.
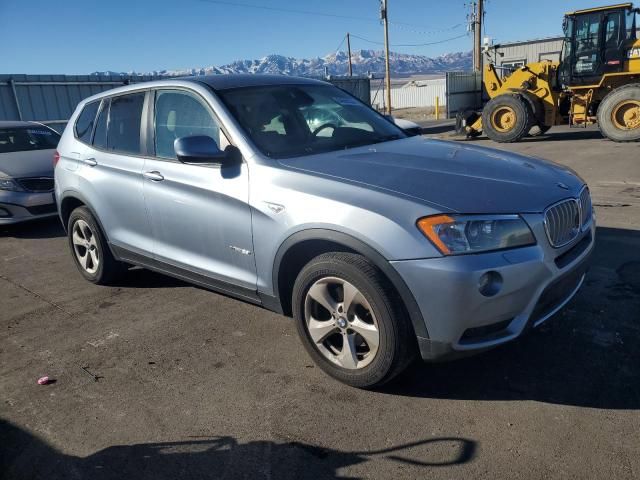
pixel 21 139
pixel 84 124
pixel 587 43
pixel 294 120
pixel 181 114
pixel 123 131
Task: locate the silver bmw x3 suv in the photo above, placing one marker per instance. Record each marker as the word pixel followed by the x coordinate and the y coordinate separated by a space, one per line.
pixel 382 247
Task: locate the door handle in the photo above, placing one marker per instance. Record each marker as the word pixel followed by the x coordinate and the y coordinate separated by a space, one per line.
pixel 154 176
pixel 90 161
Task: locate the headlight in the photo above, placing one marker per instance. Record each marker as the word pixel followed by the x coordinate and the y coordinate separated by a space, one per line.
pixel 9 184
pixel 460 234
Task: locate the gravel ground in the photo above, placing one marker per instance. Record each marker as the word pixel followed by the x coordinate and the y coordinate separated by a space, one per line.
pixel 191 384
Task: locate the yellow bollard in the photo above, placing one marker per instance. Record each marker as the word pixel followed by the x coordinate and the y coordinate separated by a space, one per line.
pixel 437 108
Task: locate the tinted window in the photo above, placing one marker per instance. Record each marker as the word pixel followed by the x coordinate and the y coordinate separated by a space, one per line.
pixel 123 134
pixel 21 139
pixel 287 121
pixel 181 114
pixel 100 135
pixel 84 124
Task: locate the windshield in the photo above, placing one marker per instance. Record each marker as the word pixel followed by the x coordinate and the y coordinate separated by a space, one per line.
pixel 20 139
pixel 294 120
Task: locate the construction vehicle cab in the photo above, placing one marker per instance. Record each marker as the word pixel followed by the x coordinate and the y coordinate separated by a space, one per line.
pixel 596 81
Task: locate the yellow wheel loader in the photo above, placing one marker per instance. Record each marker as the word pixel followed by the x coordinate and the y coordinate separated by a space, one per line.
pixel 596 81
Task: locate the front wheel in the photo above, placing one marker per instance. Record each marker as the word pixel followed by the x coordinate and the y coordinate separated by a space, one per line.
pixel 619 114
pixel 350 322
pixel 507 118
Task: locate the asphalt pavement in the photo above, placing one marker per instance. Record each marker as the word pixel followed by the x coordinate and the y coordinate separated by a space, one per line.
pixel 179 382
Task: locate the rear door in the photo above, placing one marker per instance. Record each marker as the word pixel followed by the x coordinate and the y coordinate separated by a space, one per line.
pixel 199 214
pixel 112 170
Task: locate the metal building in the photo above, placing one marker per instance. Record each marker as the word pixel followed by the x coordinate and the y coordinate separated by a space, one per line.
pixel 516 54
pixel 51 99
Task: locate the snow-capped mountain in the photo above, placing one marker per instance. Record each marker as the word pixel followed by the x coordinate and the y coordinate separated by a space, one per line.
pixel 364 61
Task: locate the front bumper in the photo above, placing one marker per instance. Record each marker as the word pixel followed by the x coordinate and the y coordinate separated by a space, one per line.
pixel 18 207
pixel 537 281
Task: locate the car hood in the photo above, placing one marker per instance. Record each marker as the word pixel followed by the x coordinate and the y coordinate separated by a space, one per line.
pixel 32 163
pixel 452 175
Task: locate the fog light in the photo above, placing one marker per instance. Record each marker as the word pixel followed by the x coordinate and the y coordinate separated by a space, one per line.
pixel 490 283
pixel 4 213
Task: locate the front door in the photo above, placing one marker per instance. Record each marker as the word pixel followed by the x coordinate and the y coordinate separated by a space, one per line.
pixel 200 215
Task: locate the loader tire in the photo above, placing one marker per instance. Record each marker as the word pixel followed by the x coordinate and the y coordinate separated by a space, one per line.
pixel 619 114
pixel 507 118
pixel 538 130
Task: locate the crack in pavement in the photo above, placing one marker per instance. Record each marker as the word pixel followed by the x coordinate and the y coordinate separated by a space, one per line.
pixel 37 295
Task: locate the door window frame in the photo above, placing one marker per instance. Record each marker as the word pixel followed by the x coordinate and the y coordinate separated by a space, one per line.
pixel 143 124
pixel 151 122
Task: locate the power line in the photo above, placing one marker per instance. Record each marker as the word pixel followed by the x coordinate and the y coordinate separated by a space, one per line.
pixel 341 42
pixel 332 15
pixel 402 26
pixel 410 44
pixel 289 10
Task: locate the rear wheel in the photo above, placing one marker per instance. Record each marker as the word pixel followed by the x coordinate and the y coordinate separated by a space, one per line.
pixel 507 118
pixel 89 248
pixel 350 322
pixel 619 114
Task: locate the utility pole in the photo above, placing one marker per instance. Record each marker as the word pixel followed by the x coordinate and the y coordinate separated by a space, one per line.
pixel 478 17
pixel 349 53
pixel 384 17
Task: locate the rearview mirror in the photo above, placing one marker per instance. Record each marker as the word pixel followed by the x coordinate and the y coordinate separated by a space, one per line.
pixel 199 149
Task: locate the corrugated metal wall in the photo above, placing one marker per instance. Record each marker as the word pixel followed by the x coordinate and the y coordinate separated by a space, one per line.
pixel 530 52
pixel 51 99
pixel 422 94
pixel 464 91
pixel 357 86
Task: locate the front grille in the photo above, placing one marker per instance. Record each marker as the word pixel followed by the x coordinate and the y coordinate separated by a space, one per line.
pixel 42 209
pixel 485 333
pixel 562 222
pixel 585 206
pixel 556 294
pixel 37 184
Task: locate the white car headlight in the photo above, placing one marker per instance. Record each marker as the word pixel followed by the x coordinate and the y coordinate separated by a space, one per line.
pixel 7 183
pixel 460 234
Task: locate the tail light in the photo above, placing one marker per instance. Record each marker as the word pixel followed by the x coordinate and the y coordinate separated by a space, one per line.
pixel 56 158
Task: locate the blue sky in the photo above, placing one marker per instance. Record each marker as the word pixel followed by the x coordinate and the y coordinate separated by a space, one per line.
pixel 77 37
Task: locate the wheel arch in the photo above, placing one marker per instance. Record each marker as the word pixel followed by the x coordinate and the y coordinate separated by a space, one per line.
pixel 72 200
pixel 298 249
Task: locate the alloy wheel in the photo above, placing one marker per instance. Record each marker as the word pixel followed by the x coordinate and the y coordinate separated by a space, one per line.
pixel 85 246
pixel 341 323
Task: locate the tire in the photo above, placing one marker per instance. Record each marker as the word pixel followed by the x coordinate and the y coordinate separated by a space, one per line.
pixel 616 118
pixel 85 236
pixel 507 118
pixel 465 119
pixel 538 130
pixel 375 303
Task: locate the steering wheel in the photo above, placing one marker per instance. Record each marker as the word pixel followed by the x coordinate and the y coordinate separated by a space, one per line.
pixel 322 127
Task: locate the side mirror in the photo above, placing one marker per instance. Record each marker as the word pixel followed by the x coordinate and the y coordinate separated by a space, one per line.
pixel 199 149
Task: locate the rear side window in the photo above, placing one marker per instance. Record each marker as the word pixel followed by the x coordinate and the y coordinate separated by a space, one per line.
pixel 100 135
pixel 123 131
pixel 84 124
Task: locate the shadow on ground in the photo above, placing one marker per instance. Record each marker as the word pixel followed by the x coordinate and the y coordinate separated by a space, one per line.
pixel 447 132
pixel 588 355
pixel 45 228
pixel 25 456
